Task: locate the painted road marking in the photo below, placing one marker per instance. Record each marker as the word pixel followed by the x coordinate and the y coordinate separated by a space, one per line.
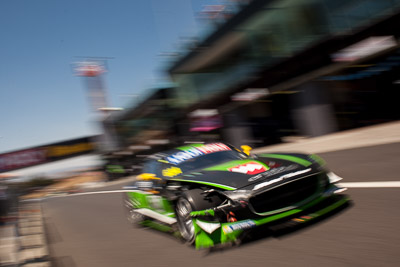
pixel 382 184
pixel 92 193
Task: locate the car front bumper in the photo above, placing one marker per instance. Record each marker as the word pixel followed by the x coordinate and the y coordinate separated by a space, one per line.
pixel 211 233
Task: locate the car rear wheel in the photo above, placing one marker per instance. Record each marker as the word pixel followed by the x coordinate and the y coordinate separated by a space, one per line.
pixel 133 217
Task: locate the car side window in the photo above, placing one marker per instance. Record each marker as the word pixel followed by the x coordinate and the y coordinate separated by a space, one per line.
pixel 152 166
pixel 146 167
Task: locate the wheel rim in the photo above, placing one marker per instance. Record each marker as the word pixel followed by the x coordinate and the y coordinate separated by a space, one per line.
pixel 131 214
pixel 185 223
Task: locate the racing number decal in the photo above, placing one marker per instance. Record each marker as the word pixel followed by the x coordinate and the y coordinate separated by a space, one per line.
pixel 155 202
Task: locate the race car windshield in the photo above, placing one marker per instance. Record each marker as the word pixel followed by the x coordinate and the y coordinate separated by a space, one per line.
pixel 208 160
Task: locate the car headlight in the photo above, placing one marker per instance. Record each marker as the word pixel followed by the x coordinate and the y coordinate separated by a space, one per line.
pixel 333 178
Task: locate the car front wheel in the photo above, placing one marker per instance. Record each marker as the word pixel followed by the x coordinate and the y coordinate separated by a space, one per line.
pixel 192 200
pixel 185 223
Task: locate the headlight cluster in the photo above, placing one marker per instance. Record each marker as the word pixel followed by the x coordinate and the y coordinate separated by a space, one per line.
pixel 333 178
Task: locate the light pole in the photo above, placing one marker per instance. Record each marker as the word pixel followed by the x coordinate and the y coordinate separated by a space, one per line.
pixel 92 69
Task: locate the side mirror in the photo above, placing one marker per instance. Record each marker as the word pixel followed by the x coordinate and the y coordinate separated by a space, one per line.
pixel 246 149
pixel 147 176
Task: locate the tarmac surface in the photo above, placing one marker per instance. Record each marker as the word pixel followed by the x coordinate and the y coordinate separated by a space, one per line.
pixel 91 230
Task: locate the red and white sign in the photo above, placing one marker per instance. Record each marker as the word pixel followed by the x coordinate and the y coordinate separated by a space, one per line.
pixel 89 68
pixel 249 168
pixel 22 159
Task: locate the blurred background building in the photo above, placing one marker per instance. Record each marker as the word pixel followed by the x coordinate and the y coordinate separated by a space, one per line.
pixel 294 68
pixel 264 72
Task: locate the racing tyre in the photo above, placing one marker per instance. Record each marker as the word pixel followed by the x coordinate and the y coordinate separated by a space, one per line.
pixel 132 216
pixel 191 200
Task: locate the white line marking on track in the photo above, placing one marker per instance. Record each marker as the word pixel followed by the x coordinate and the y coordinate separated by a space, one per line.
pixel 95 193
pixel 371 184
pixel 383 184
pixel 103 192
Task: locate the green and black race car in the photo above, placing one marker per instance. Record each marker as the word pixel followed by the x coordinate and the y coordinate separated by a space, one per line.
pixel 214 193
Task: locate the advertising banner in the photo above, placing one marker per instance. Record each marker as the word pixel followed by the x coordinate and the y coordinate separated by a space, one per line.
pixel 42 154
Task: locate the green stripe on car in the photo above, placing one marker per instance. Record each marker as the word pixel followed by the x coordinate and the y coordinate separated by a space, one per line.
pixel 318 159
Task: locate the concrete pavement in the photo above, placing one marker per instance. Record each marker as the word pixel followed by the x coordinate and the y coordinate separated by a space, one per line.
pixel 23 241
pixel 8 244
pixel 381 134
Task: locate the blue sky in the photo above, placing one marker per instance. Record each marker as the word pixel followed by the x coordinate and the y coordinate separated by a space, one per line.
pixel 41 101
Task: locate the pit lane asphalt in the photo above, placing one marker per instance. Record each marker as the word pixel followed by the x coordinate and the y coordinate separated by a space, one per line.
pixel 90 230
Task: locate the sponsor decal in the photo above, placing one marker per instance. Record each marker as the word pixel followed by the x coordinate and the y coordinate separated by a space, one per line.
pixel 238 226
pixel 171 172
pixel 211 148
pixel 273 164
pixel 184 155
pixel 272 172
pixel 193 152
pixel 249 168
pixel 283 177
